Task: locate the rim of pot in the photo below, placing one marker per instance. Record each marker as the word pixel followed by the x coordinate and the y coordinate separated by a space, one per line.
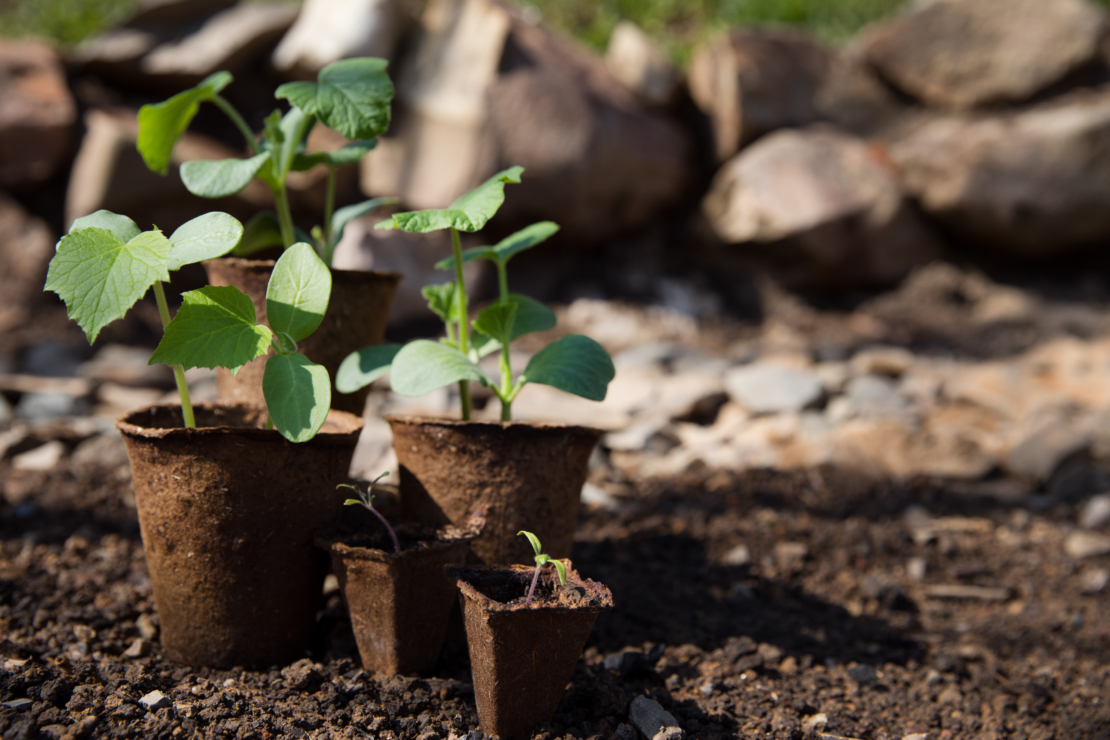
pixel 415 420
pixel 342 424
pixel 594 588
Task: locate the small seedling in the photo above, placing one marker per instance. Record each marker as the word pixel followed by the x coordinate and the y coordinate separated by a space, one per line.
pixel 351 96
pixel 105 264
pixel 367 500
pixel 575 364
pixel 542 560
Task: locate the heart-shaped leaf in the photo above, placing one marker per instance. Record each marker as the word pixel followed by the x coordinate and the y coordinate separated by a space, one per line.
pixel 497 321
pixel 298 395
pixel 205 237
pixel 442 301
pixel 469 213
pixel 575 364
pixel 351 96
pixel 531 316
pixel 215 327
pixel 222 177
pixel 298 293
pixel 162 124
pixel 360 369
pixel 526 238
pixel 100 276
pixel 422 366
pixel 121 226
pixel 349 154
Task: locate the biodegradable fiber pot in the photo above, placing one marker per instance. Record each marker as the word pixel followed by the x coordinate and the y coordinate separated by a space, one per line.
pixel 356 317
pixel 228 512
pixel 399 602
pixel 525 476
pixel 522 656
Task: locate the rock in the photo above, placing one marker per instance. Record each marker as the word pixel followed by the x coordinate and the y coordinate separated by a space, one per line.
pixel 1081 544
pixel 821 206
pixel 892 361
pixel 26 248
pixel 1093 580
pixel 38 407
pixel 967 54
pixel 1042 448
pixel 626 731
pixel 140 648
pixel 655 722
pixel 37 114
pixel 863 674
pixel 126 365
pixel 302 674
pixel 485 89
pixel 147 629
pixel 639 64
pixel 330 30
pixel 961 591
pixel 1096 512
pixel 155 700
pixel 1033 183
pixel 737 556
pixel 109 173
pixel 597 496
pixel 752 82
pixel 816 722
pixel 105 450
pixel 873 396
pixel 43 457
pixel 790 555
pixel 626 662
pixel 768 388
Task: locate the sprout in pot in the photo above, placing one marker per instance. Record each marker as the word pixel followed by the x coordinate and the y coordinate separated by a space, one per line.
pixel 396 595
pixel 575 363
pixel 351 96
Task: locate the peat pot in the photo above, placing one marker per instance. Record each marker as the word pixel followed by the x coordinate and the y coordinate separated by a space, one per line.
pixel 356 317
pixel 525 476
pixel 522 656
pixel 228 512
pixel 399 602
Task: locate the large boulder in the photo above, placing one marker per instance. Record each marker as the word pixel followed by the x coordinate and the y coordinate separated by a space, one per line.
pixel 37 114
pixel 330 30
pixel 821 204
pixel 639 64
pixel 485 89
pixel 751 82
pixel 26 246
pixel 1035 183
pixel 967 53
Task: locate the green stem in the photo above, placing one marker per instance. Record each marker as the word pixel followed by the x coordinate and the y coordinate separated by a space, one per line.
pixel 506 386
pixel 329 210
pixel 464 334
pixel 178 370
pixel 237 119
pixel 285 216
pixel 503 281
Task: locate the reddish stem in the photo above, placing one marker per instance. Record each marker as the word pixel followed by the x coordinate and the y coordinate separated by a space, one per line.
pixel 532 589
pixel 392 534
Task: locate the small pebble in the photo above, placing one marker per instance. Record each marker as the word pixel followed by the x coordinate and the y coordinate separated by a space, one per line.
pixel 1094 580
pixel 739 555
pixel 1081 545
pixel 155 700
pixel 863 674
pixel 140 648
pixel 655 722
pixel 815 723
pixel 1096 512
pixel 146 627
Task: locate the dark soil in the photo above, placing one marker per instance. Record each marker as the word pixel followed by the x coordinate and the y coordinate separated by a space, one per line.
pixel 825 619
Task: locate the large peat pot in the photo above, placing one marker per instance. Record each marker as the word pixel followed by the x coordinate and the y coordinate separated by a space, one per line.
pixel 356 317
pixel 228 511
pixel 522 655
pixel 399 602
pixel 525 476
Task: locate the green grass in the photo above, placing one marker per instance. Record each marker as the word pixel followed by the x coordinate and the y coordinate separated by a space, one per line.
pixel 64 21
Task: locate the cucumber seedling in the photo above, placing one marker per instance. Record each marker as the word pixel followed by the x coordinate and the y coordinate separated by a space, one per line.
pixel 542 560
pixel 351 96
pixel 366 500
pixel 575 363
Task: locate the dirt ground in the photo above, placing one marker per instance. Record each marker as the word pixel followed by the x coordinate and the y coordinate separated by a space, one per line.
pixel 762 604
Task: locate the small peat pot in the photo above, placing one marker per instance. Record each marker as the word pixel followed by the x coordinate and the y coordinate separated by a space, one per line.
pixel 522 655
pixel 399 602
pixel 356 317
pixel 525 476
pixel 228 512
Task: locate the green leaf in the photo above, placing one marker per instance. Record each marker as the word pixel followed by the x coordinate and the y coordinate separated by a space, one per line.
pixel 162 124
pixel 261 232
pixel 531 316
pixel 205 237
pixel 121 226
pixel 442 301
pixel 346 214
pixel 422 366
pixel 298 293
pixel 100 277
pixel 561 570
pixel 469 213
pixel 526 238
pixel 497 321
pixel 532 539
pixel 360 369
pixel 295 126
pixel 351 96
pixel 575 364
pixel 222 177
pixel 298 395
pixel 215 327
pixel 350 154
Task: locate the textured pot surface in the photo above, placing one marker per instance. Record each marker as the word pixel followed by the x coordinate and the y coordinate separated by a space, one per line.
pixel 356 317
pixel 525 476
pixel 522 656
pixel 399 602
pixel 228 512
